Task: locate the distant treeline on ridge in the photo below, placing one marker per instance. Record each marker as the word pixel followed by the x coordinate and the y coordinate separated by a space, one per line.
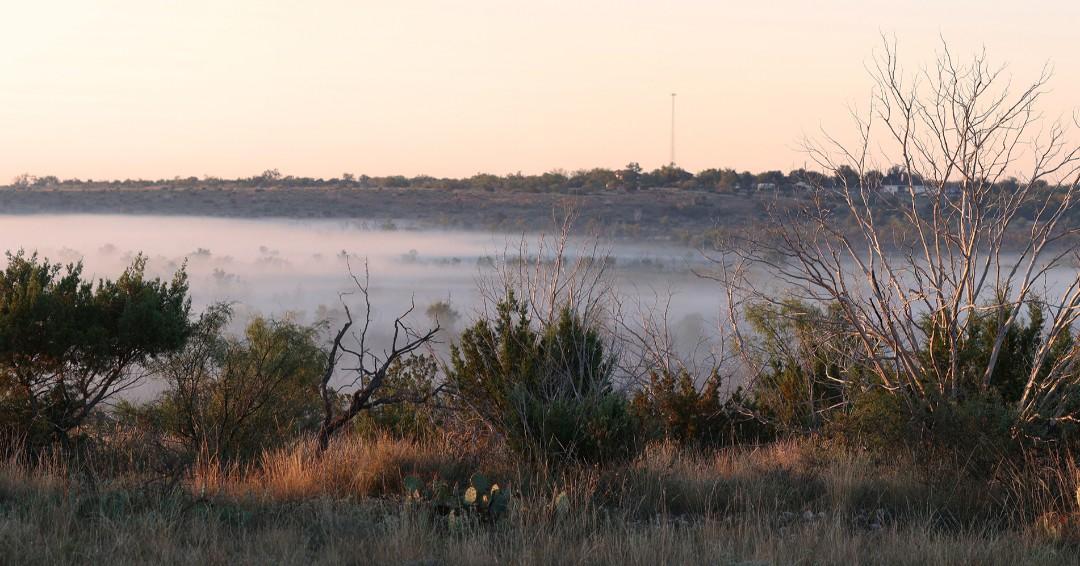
pixel 631 177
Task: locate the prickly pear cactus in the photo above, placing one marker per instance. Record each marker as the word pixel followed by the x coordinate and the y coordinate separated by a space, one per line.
pixel 414 488
pixel 499 502
pixel 481 500
pixel 481 484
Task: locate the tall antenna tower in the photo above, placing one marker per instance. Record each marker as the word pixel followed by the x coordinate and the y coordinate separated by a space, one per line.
pixel 673 129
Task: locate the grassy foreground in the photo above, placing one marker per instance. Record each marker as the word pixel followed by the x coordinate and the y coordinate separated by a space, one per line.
pixel 786 503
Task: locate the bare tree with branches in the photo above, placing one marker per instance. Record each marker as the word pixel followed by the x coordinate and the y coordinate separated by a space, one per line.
pixel 985 211
pixel 369 368
pixel 553 271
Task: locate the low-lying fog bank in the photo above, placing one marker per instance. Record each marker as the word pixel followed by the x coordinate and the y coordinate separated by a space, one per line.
pixel 280 267
pixel 300 268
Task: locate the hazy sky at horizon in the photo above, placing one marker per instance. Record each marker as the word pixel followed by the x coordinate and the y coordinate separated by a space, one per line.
pixel 152 88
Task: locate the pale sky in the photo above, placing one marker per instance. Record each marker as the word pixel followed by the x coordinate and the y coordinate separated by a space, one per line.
pixel 152 88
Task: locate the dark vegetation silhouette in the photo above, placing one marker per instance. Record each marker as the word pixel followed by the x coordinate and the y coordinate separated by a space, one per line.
pixel 631 177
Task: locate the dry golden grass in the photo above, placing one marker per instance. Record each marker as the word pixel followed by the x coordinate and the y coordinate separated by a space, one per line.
pixel 352 469
pixel 786 503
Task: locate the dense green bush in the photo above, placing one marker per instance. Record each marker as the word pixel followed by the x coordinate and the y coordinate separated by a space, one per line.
pixel 548 392
pixel 67 344
pixel 876 420
pixel 978 411
pixel 234 396
pixel 412 381
pixel 671 406
pixel 1014 363
pixel 802 350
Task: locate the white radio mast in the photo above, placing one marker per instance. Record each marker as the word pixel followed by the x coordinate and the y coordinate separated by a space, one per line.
pixel 673 129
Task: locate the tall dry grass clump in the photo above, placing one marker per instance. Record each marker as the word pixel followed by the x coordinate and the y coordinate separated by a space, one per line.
pixel 354 467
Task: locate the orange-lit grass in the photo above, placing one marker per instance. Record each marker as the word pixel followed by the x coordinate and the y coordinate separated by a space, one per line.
pixel 789 502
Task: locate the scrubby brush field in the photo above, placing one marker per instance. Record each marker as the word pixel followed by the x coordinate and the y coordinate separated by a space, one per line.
pixel 784 503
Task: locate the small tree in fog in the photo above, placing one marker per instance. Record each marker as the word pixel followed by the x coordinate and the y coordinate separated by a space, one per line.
pixel 444 314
